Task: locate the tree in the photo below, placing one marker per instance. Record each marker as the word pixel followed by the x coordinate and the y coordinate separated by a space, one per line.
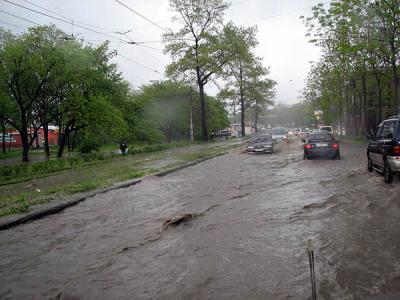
pixel 260 93
pixel 199 49
pixel 85 93
pixel 242 64
pixel 360 54
pixel 27 66
pixel 161 112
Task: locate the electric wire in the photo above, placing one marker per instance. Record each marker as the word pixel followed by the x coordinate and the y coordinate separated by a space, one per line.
pixel 117 53
pixel 18 17
pixel 140 15
pixel 65 21
pixel 67 18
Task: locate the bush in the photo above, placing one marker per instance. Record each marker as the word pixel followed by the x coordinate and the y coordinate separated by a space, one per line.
pixel 88 146
pixel 6 171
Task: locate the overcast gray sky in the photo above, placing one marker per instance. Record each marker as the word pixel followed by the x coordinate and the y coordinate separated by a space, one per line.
pixel 281 34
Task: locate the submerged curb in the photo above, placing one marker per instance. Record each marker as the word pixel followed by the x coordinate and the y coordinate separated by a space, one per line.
pixel 54 208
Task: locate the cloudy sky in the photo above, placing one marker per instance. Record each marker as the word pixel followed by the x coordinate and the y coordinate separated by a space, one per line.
pixel 281 33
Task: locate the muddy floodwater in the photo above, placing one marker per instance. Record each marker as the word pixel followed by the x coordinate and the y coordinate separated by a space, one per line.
pixel 248 219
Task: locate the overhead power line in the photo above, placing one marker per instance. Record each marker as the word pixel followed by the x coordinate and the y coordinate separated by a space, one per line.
pixel 18 17
pixel 69 22
pixel 136 62
pixel 283 14
pixel 116 52
pixel 67 18
pixel 140 15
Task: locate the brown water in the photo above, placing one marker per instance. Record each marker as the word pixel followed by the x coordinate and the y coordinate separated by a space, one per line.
pixel 252 217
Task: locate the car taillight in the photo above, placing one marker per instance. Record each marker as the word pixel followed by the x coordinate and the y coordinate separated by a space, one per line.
pixel 335 146
pixel 396 150
pixel 307 146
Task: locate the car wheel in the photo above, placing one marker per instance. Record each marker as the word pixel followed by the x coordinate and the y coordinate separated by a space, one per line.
pixel 388 173
pixel 370 168
pixel 338 156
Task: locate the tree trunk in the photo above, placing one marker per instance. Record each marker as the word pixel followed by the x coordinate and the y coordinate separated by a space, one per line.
pixel 191 135
pixel 61 145
pixel 395 76
pixel 69 142
pixel 25 143
pixel 241 100
pixel 340 114
pixel 3 128
pixel 73 141
pixel 203 118
pixel 378 81
pixel 364 129
pixel 46 139
pixel 354 115
pixel 347 110
pixel 256 117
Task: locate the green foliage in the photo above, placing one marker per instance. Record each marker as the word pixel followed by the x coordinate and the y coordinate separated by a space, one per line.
pixel 88 145
pixel 47 77
pixel 356 83
pixel 200 48
pixel 245 77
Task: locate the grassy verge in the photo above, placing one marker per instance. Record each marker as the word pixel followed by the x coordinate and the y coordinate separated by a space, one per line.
pixel 27 171
pixel 47 184
pixel 17 153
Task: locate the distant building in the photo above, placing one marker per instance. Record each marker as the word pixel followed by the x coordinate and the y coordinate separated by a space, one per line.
pixel 13 138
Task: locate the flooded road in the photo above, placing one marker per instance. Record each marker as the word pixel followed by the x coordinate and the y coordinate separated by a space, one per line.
pixel 248 219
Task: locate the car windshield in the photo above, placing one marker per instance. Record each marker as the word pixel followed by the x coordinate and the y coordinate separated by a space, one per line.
pixel 321 137
pixel 278 131
pixel 261 139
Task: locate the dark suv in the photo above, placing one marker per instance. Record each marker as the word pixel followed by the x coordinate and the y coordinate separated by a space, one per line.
pixel 384 148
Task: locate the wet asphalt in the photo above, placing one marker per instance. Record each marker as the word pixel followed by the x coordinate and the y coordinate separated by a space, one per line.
pixel 246 220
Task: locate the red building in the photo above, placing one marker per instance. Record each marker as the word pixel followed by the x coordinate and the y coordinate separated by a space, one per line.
pixel 13 138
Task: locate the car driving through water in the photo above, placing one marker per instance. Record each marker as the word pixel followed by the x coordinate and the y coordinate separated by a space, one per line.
pixel 279 134
pixel 261 144
pixel 321 144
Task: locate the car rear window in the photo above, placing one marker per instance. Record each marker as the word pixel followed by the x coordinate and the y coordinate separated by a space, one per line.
pixel 321 137
pixel 326 128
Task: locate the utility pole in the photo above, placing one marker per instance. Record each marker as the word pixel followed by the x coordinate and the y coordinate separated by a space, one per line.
pixel 191 115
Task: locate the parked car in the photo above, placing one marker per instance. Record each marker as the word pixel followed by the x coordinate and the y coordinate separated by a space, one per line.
pixel 262 144
pixel 221 133
pixel 279 134
pixel 383 152
pixel 321 144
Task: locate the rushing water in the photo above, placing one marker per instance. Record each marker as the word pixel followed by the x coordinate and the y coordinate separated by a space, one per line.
pixel 250 219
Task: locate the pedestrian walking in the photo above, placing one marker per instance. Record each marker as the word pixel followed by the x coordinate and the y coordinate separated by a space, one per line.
pixel 123 147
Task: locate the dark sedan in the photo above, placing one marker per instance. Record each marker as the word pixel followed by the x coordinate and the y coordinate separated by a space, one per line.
pixel 261 144
pixel 321 144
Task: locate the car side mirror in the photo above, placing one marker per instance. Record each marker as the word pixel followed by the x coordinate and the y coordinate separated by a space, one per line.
pixel 370 136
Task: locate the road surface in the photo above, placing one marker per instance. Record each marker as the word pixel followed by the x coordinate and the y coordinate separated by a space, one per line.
pixel 244 236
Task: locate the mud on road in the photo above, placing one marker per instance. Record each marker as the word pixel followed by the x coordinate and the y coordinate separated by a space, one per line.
pixel 248 219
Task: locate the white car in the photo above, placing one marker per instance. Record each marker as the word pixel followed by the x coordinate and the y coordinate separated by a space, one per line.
pixel 279 134
pixel 326 128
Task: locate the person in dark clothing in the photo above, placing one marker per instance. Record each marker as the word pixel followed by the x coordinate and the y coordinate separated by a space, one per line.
pixel 123 147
